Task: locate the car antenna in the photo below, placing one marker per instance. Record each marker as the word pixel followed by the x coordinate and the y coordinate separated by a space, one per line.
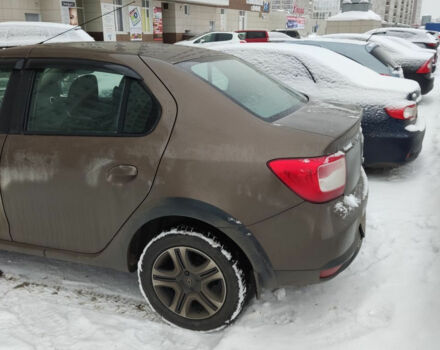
pixel 86 22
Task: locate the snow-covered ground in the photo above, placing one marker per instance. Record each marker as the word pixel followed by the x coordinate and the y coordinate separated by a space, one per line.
pixel 389 297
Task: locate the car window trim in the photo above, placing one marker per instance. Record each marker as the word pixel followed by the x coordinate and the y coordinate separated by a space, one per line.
pixel 30 70
pixel 8 102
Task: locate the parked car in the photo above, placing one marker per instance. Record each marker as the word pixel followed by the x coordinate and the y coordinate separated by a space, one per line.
pixel 149 157
pixel 290 32
pixel 417 63
pixel 255 36
pixel 418 36
pixel 391 127
pixel 213 38
pixel 29 33
pixel 370 55
pixel 279 37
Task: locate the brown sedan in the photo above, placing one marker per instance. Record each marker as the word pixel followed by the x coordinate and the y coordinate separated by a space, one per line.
pixel 189 166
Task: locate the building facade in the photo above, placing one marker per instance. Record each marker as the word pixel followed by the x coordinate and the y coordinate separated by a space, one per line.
pixel 170 20
pixel 398 12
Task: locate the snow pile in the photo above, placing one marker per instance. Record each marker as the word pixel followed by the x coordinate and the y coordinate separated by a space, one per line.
pixel 356 16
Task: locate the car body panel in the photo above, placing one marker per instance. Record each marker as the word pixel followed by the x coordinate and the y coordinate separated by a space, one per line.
pixel 209 161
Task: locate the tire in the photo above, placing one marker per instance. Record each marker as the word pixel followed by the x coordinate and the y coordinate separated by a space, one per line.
pixel 192 281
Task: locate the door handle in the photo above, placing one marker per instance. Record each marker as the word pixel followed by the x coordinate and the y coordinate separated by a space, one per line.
pixel 122 174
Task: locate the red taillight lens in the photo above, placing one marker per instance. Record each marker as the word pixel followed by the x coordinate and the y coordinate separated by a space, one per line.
pixel 426 68
pixel 329 272
pixel 434 45
pixel 405 113
pixel 316 180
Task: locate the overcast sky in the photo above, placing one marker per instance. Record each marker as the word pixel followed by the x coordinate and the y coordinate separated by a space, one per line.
pixel 431 7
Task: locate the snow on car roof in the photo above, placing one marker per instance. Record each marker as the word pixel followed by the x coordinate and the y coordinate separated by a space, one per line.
pixel 29 33
pixel 335 74
pixel 334 40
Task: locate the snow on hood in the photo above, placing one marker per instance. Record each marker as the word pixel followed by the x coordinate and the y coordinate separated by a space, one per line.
pixel 31 33
pixel 356 16
pixel 337 78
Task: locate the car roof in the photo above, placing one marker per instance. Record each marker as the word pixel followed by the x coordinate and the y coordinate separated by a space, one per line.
pixel 164 52
pixel 36 24
pixel 335 40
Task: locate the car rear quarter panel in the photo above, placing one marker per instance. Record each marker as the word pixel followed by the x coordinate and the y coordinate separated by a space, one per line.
pixel 218 152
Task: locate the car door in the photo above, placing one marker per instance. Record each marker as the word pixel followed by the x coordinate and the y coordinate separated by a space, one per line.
pixel 6 94
pixel 85 153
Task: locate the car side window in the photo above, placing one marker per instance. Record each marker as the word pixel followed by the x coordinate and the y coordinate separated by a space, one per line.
pixel 89 102
pixel 223 37
pixel 5 75
pixel 400 34
pixel 205 39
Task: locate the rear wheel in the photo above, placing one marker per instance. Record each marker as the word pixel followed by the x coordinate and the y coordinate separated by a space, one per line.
pixel 191 280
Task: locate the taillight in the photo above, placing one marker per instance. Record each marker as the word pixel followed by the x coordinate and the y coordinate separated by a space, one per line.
pixel 405 113
pixel 316 180
pixel 426 68
pixel 434 45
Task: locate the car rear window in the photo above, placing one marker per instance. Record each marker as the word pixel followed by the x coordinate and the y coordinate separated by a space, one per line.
pixel 256 35
pixel 253 90
pixel 382 55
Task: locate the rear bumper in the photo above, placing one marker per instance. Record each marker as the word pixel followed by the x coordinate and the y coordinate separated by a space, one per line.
pixel 310 238
pixel 391 150
pixel 426 81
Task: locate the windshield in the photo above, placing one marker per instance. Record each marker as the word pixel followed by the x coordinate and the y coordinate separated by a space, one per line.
pixel 253 90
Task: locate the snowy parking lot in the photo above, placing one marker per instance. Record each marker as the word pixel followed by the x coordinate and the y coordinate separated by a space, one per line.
pixel 389 296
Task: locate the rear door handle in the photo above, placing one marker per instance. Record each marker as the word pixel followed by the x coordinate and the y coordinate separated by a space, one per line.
pixel 122 174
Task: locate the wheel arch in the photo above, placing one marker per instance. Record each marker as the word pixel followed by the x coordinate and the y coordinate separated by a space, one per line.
pixel 181 212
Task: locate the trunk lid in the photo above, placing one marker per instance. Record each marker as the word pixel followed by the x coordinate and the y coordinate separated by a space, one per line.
pixel 342 123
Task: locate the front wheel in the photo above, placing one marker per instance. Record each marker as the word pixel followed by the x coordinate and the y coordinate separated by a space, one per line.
pixel 191 280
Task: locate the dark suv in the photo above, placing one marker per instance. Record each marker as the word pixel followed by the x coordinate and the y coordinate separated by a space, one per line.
pixel 207 177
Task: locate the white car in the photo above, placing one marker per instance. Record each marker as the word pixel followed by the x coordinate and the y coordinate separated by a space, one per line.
pixel 417 36
pixel 31 33
pixel 214 38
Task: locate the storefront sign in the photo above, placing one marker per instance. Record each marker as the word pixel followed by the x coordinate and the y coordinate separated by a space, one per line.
pixel 134 13
pixel 298 10
pixel 69 14
pixel 157 23
pixel 108 22
pixel 266 6
pixel 294 22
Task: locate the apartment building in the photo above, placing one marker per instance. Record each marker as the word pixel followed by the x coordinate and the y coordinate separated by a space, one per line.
pixel 147 20
pixel 401 12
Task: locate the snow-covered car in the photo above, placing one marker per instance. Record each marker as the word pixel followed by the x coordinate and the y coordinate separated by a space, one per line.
pixel 391 126
pixel 276 36
pixel 417 63
pixel 418 36
pixel 30 33
pixel 293 33
pixel 149 158
pixel 213 38
pixel 370 55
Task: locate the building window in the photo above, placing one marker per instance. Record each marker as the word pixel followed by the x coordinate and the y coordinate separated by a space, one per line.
pixel 119 20
pixel 32 17
pixel 186 10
